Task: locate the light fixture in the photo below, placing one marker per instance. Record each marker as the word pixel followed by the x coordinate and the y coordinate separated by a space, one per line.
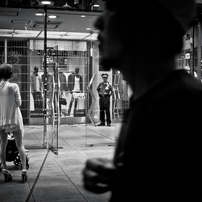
pixel 46 2
pixel 39 14
pixel 96 5
pixel 43 2
pixel 66 5
pixel 52 16
pixel 94 2
pixel 83 16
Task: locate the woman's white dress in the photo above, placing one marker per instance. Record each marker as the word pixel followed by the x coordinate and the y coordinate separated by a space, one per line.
pixel 10 101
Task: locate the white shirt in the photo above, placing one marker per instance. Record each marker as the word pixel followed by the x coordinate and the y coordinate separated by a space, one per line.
pixel 76 84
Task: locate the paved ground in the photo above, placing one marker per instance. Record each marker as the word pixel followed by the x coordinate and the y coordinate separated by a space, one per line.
pixel 58 177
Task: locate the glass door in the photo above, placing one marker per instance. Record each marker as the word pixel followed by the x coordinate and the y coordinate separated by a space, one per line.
pixel 51 100
pixel 54 119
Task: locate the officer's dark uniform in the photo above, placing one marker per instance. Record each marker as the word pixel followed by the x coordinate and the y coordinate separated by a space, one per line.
pixel 105 90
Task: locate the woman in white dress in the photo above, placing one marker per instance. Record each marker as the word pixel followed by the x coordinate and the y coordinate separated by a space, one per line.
pixel 10 119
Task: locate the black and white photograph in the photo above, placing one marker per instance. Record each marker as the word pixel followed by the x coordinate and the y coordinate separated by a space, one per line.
pixel 100 101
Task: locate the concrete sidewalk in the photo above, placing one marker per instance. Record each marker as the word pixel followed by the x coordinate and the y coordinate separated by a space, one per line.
pixel 60 176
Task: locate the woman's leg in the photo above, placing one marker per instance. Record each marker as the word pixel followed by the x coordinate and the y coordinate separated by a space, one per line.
pixel 20 146
pixel 3 142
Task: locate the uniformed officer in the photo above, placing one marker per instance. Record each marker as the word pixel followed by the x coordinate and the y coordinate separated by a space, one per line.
pixel 105 90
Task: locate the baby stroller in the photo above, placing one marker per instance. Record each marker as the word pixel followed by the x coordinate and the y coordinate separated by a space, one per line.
pixel 12 153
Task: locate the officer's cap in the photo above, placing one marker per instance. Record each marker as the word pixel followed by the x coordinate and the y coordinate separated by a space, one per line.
pixel 105 75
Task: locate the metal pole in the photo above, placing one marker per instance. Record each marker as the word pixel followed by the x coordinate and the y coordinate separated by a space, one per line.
pixel 199 52
pixel 45 134
pixel 193 53
pixel 5 50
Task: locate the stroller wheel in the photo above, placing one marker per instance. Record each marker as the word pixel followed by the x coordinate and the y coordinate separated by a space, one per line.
pixel 17 160
pixel 17 163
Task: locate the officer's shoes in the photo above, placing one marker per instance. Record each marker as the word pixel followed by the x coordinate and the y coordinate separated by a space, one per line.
pixel 101 124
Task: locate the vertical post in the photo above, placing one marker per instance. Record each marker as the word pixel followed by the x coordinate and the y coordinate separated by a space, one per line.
pixel 5 50
pixel 193 53
pixel 45 134
pixel 57 99
pixel 199 52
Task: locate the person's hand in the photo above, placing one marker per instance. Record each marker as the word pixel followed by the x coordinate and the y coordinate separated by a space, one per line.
pixel 98 175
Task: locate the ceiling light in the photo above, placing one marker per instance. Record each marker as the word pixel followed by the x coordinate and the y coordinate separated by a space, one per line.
pixel 83 16
pixel 52 16
pixel 66 5
pixel 39 14
pixel 96 5
pixel 46 2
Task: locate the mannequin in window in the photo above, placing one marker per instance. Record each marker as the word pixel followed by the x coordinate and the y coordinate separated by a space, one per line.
pixel 75 85
pixel 63 88
pixel 49 89
pixel 63 82
pixel 36 88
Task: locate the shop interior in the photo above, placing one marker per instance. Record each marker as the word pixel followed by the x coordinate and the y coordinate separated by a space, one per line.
pixel 62 31
pixel 47 44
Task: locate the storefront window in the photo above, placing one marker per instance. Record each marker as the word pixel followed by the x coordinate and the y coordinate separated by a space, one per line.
pixel 79 72
pixel 190 56
pixel 16 54
pixel 73 78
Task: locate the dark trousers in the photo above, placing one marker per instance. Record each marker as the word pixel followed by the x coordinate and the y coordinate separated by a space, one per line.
pixel 102 115
pixel 104 108
pixel 38 100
